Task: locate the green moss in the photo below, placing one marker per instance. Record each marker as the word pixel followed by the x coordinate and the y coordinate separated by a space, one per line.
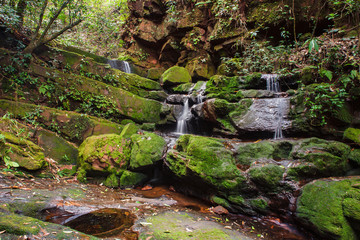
pixel 21 225
pixel 248 153
pixel 24 152
pixel 182 88
pixel 241 109
pixel 259 204
pixel 155 73
pixel 352 134
pixel 107 153
pixel 220 201
pixel 267 177
pixel 146 149
pixel 208 159
pixel 175 75
pixel 224 87
pixel 237 199
pixel 321 204
pixel 355 156
pixel 112 181
pixel 148 126
pixel 129 129
pixel 131 179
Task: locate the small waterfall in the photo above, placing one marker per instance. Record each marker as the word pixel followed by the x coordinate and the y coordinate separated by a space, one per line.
pixel 123 66
pixel 181 126
pixel 186 115
pixel 272 84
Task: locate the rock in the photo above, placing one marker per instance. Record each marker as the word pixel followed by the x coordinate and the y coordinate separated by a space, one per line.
pixel 131 179
pixel 152 32
pixel 72 126
pixel 17 225
pixel 201 67
pixel 146 150
pixel 155 73
pixel 182 88
pixel 112 181
pixel 263 116
pixel 352 134
pixel 354 156
pixel 182 225
pixel 224 87
pixel 22 152
pixel 319 158
pixel 219 210
pixel 205 159
pixel 267 177
pixel 175 76
pixel 129 130
pixel 107 153
pixel 175 99
pixel 56 148
pixel 257 94
pixel 329 205
pixel 119 102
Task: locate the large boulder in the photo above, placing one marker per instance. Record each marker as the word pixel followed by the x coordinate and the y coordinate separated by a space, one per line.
pixel 352 134
pixel 114 155
pixel 332 207
pixel 19 152
pixel 175 75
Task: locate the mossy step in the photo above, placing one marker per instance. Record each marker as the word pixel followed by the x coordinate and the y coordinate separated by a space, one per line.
pixel 73 126
pixel 127 104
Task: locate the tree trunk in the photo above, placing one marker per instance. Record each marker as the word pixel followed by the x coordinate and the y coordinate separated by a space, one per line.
pixel 20 11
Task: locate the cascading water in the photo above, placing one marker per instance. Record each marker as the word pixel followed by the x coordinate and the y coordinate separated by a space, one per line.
pixel 272 84
pixel 186 115
pixel 123 66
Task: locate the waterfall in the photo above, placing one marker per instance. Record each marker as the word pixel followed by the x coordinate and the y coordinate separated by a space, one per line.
pixel 272 84
pixel 186 115
pixel 123 66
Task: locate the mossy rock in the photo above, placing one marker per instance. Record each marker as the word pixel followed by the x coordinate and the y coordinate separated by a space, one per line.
pixel 182 88
pixel 112 181
pixel 120 103
pixel 352 134
pixel 155 73
pixel 22 152
pixel 201 67
pixel 224 87
pixel 131 179
pixel 56 147
pixel 267 177
pixel 147 149
pixel 206 159
pixel 107 153
pixel 354 156
pixel 246 154
pixel 320 158
pixel 321 205
pixel 173 225
pixel 175 76
pixel 16 225
pixel 129 130
pixel 70 125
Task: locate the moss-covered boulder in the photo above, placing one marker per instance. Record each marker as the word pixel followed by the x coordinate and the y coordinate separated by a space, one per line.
pixel 319 158
pixel 146 149
pixel 206 159
pixel 22 152
pixel 352 134
pixel 331 207
pixel 201 67
pixel 107 153
pixel 175 76
pixel 56 147
pixel 15 226
pixel 354 156
pixel 131 179
pixel 268 176
pixel 129 129
pixel 155 73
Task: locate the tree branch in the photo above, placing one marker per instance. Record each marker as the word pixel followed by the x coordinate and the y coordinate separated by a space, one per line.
pixel 54 18
pixel 40 20
pixel 55 35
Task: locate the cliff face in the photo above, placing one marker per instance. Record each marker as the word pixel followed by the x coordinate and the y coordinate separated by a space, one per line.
pixel 196 34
